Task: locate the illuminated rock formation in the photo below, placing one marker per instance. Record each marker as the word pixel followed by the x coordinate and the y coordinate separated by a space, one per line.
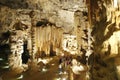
pixel 47 39
pixel 57 27
pixel 15 58
pixel 69 44
pixel 43 30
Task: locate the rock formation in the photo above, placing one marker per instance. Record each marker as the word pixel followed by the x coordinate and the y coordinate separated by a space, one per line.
pixel 54 27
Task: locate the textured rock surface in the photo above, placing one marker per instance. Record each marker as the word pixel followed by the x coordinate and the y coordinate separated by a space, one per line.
pixel 41 23
pixel 106 41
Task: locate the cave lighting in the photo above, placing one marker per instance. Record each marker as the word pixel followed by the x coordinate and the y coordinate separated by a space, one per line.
pixel 62 72
pixel 20 77
pixel 7 63
pixel 61 78
pixel 64 79
pixel 45 61
pixel 5 67
pixel 77 69
pixel 52 64
pixel 115 3
pixel 118 69
pixel 87 76
pixel 44 69
pixel 57 79
pixel 1 59
pixel 65 72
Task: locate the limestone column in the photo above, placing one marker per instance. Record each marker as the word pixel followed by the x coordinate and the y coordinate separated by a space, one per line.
pixel 29 44
pixel 15 58
pixel 32 15
pixel 33 43
pixel 78 28
pixel 33 61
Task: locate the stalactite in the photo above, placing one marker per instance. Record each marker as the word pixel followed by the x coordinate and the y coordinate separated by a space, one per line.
pixel 46 36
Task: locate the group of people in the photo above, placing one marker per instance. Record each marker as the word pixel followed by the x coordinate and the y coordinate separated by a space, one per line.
pixel 64 62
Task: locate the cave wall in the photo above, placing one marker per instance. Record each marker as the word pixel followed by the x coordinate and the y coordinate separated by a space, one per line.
pixel 105 31
pixel 43 31
pixel 21 18
pixel 105 20
pixel 16 15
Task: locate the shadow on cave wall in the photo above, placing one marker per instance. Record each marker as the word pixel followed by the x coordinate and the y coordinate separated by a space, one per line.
pixel 25 54
pixel 19 4
pixel 4 46
pixel 100 26
pixel 99 30
pixel 14 4
pixel 99 21
pixel 103 68
pixel 110 71
pixel 4 51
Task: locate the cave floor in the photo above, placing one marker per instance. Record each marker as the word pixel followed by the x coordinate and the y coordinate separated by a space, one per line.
pixel 106 69
pixel 48 72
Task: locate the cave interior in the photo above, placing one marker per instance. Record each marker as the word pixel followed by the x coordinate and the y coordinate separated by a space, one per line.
pixel 60 40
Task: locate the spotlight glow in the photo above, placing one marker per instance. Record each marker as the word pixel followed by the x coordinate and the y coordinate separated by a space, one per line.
pixel 118 69
pixel 20 77
pixel 44 70
pixel 77 69
pixel 64 79
pixel 65 72
pixel 52 64
pixel 115 3
pixel 60 72
pixel 5 67
pixel 1 59
pixel 60 78
pixel 57 79
pixel 45 61
pixel 6 63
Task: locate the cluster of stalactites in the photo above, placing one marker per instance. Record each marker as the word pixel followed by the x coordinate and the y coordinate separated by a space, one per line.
pixel 113 12
pixel 48 38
